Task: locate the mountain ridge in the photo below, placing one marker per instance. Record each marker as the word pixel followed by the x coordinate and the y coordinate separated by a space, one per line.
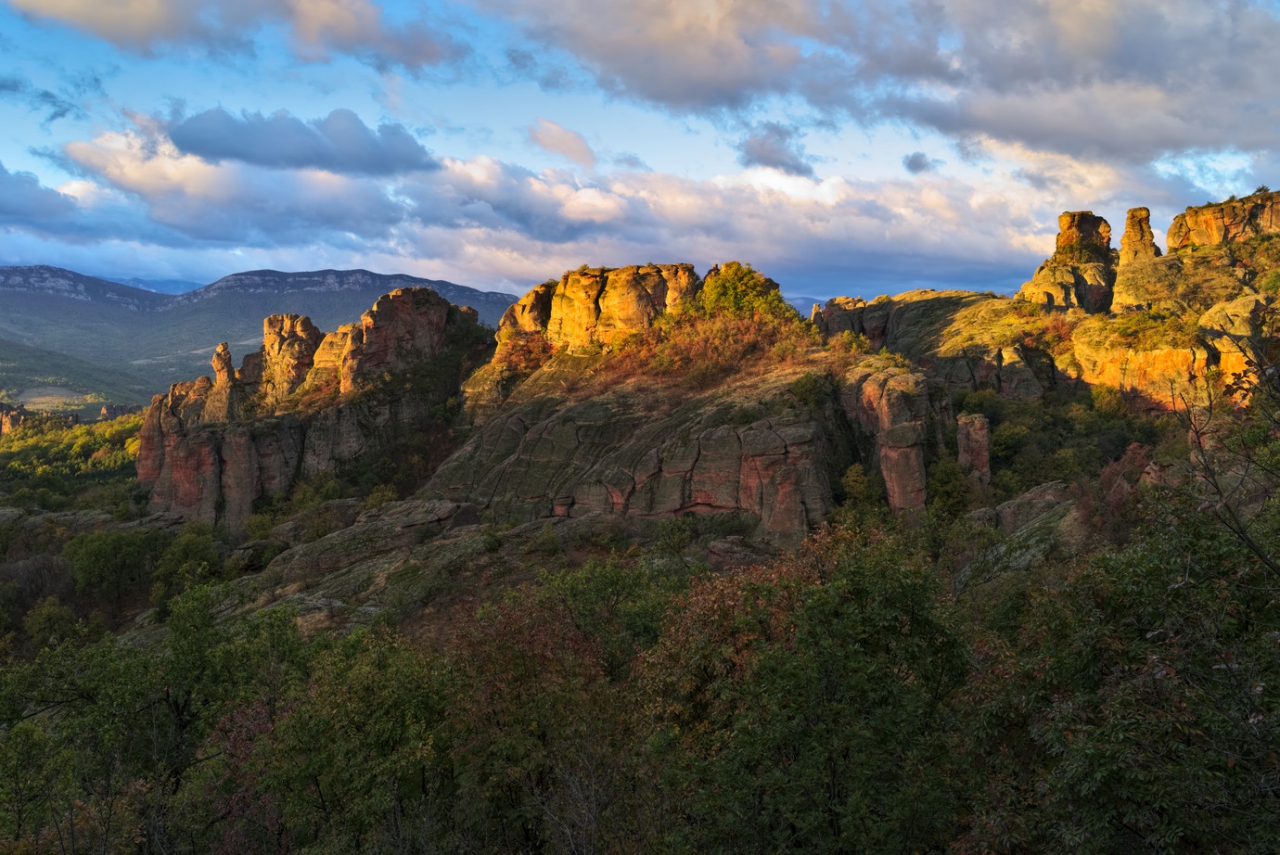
pixel 166 338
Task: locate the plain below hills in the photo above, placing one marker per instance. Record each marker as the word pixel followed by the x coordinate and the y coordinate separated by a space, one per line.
pixel 135 339
pixel 42 379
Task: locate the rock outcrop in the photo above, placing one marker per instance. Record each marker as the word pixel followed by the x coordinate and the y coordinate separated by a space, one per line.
pixel 211 448
pixel 597 306
pixel 289 344
pixel 115 411
pixel 973 444
pixel 1229 222
pixel 545 455
pixel 1081 271
pixel 891 404
pixel 966 339
pixel 1138 243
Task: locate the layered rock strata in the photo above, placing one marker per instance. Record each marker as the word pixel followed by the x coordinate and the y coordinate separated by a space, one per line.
pixel 211 448
pixel 550 456
pixel 1229 222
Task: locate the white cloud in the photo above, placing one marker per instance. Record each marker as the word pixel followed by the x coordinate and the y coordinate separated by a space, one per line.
pixel 483 221
pixel 1122 79
pixel 556 139
pixel 320 28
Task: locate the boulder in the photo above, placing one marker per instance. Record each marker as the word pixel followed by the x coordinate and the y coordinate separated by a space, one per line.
pixel 1014 514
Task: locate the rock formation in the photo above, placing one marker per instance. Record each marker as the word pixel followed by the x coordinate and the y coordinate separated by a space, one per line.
pixel 548 456
pixel 952 335
pixel 891 404
pixel 289 344
pixel 1229 222
pixel 1081 271
pixel 115 411
pixel 11 418
pixel 1138 243
pixel 210 449
pixel 597 306
pixel 973 442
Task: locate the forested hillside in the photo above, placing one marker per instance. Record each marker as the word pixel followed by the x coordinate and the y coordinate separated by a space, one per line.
pixel 667 567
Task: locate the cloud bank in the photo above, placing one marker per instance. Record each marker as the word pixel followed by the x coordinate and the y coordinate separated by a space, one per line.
pixel 320 29
pixel 340 142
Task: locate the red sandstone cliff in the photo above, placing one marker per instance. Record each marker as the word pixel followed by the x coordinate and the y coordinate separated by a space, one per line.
pixel 211 448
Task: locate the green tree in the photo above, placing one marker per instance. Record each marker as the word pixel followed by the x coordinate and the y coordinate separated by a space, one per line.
pixel 113 564
pixel 803 707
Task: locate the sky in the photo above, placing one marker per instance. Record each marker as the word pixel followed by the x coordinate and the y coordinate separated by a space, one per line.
pixel 843 148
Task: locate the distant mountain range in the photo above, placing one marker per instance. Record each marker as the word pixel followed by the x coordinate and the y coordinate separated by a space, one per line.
pixel 160 286
pixel 147 340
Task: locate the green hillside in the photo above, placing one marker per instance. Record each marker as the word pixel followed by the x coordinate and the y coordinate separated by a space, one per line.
pixel 44 380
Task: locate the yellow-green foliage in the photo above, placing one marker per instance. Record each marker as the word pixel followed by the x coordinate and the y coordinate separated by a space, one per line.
pixel 1149 331
pixel 45 463
pixel 1067 436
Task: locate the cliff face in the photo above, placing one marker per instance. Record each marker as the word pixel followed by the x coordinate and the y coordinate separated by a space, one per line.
pixel 598 306
pixel 749 446
pixel 1230 222
pixel 211 448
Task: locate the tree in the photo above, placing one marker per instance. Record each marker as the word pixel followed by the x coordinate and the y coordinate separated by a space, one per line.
pixel 802 707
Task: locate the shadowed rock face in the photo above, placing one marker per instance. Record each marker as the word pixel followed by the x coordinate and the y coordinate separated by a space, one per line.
pixel 746 447
pixel 548 456
pixel 973 441
pixel 1230 222
pixel 599 306
pixel 209 449
pixel 891 404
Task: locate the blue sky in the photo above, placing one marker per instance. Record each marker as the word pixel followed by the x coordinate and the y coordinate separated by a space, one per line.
pixel 842 147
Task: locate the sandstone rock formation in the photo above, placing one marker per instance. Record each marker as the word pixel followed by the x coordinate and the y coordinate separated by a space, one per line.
pixel 11 418
pixel 115 411
pixel 289 344
pixel 973 444
pixel 1080 233
pixel 1229 222
pixel 210 449
pixel 1138 243
pixel 959 336
pixel 548 456
pixel 597 306
pixel 1233 330
pixel 1081 271
pixel 891 404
